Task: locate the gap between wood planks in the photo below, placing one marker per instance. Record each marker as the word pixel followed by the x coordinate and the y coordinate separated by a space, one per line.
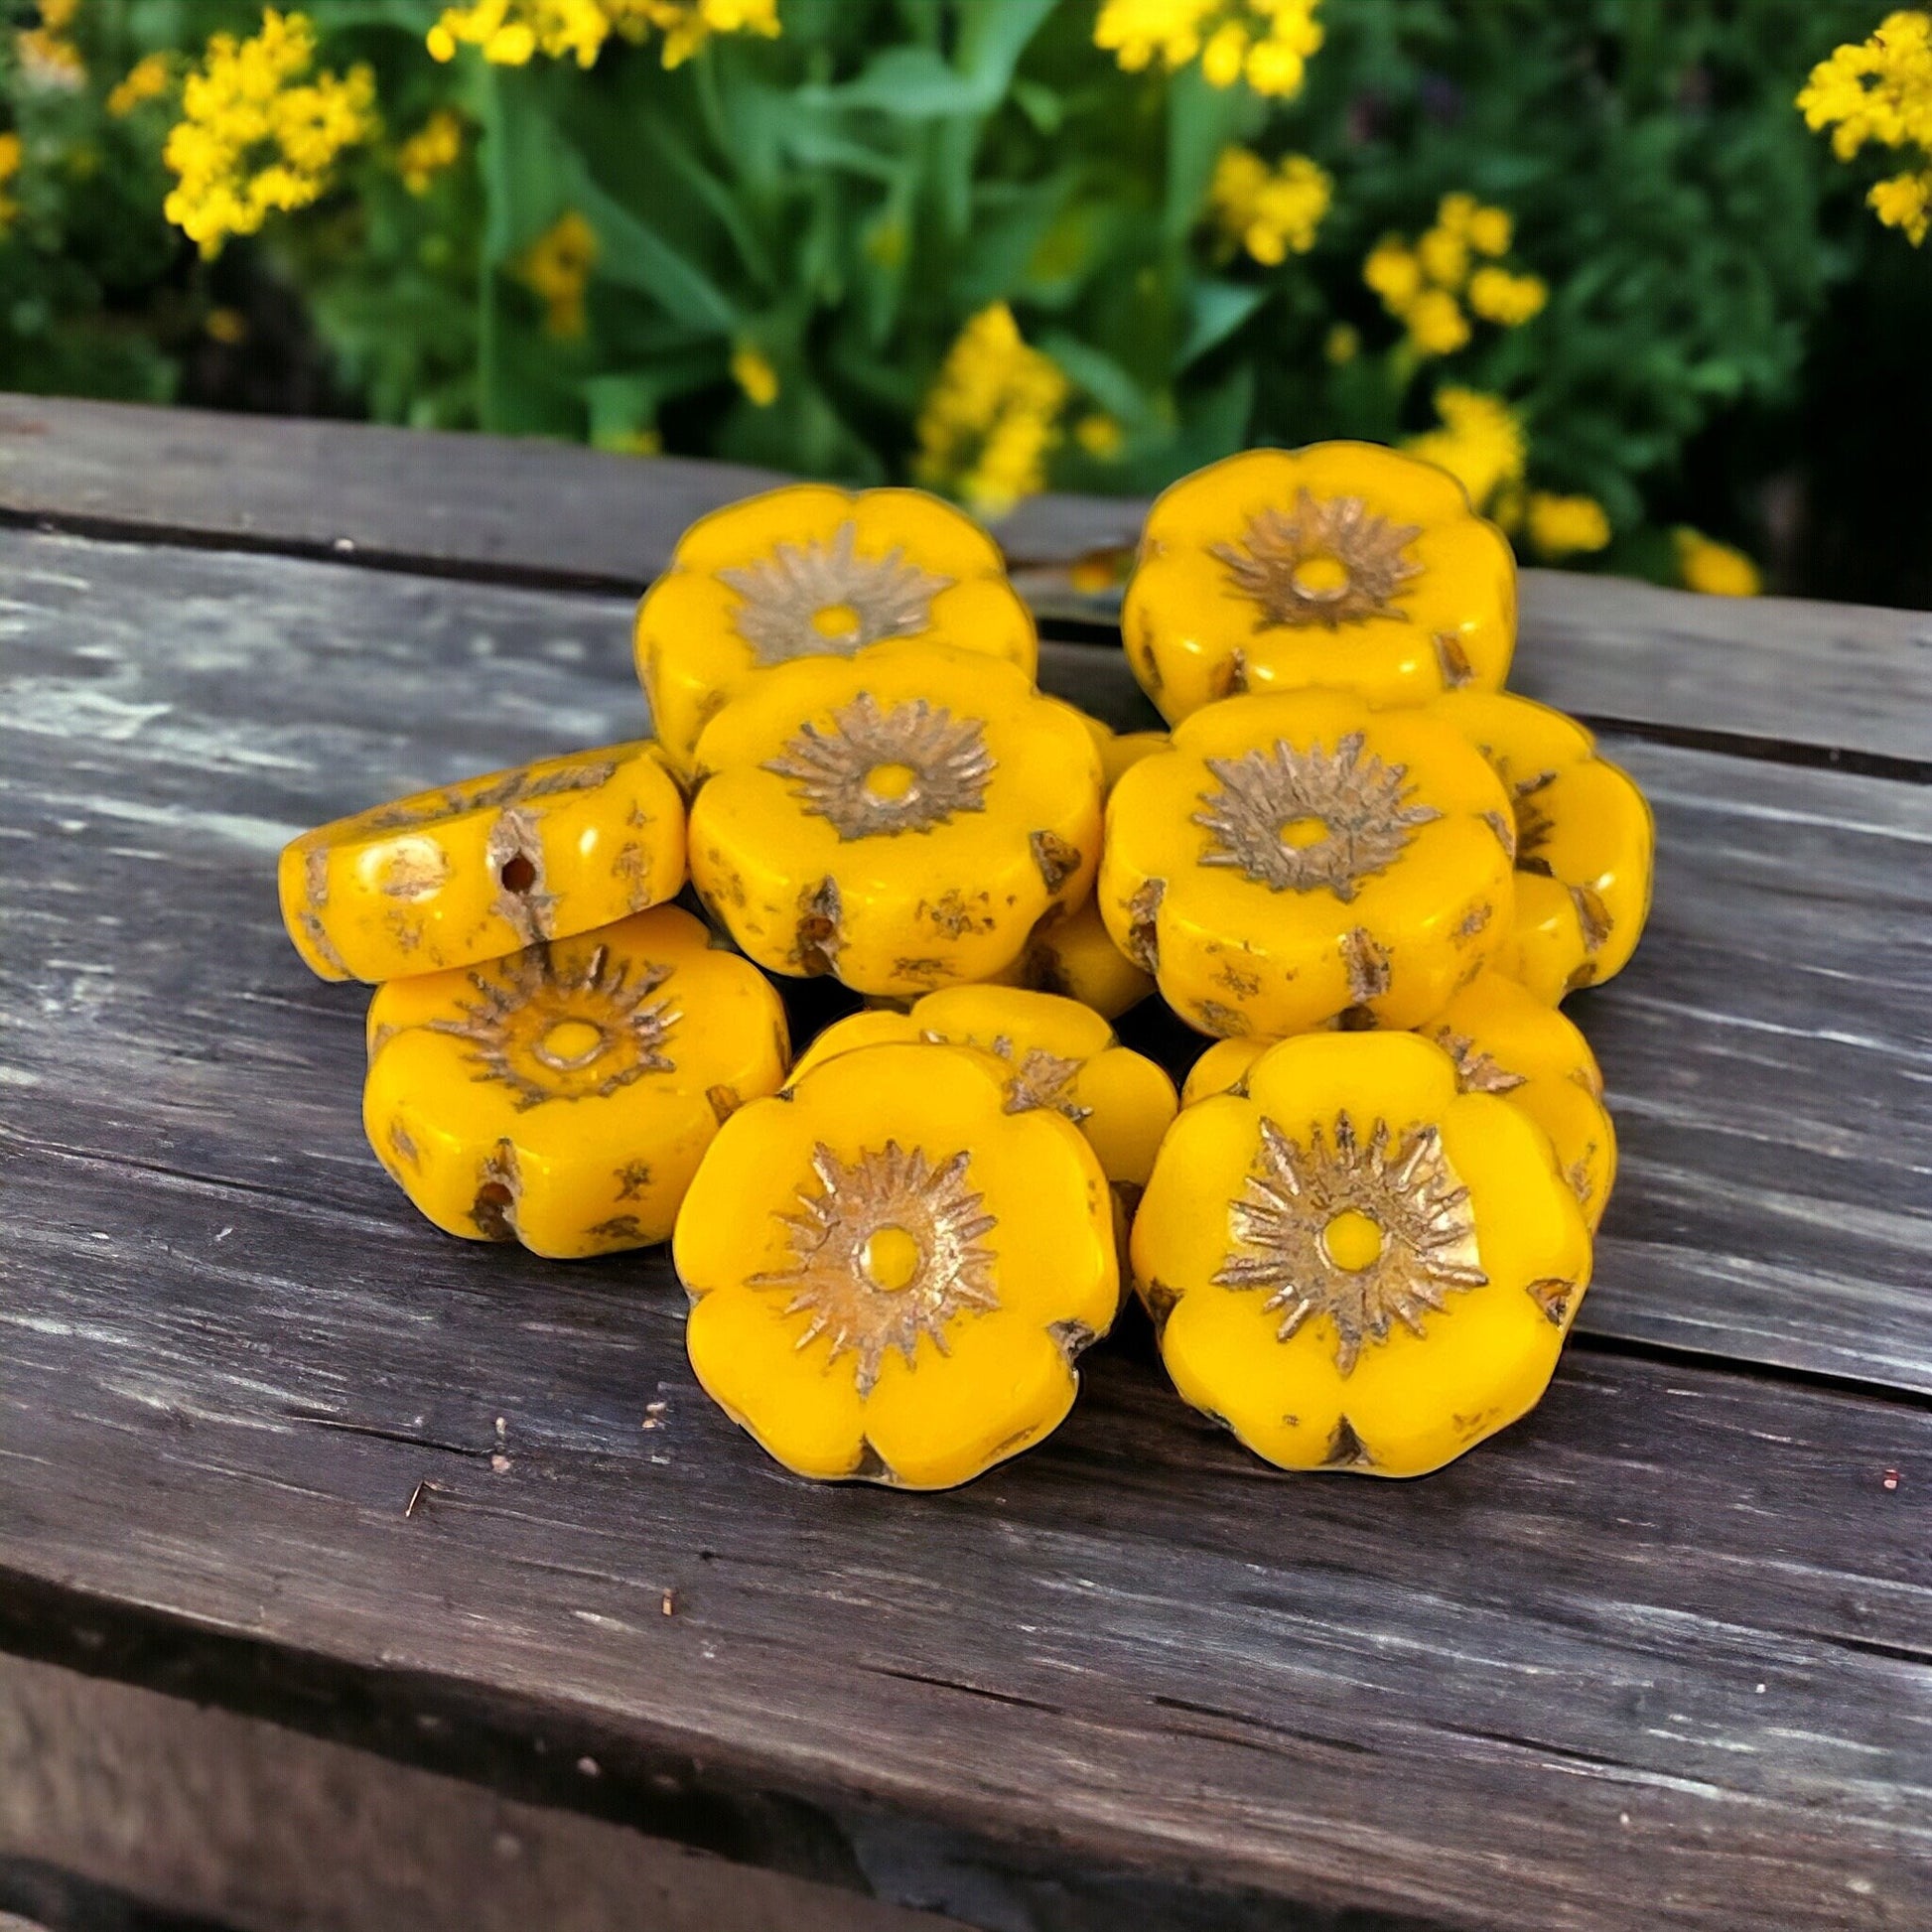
pixel 348 552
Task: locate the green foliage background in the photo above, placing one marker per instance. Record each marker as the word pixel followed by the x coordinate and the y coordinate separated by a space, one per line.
pixel 844 198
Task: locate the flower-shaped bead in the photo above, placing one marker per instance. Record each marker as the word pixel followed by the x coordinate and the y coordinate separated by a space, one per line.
pixel 1506 1042
pixel 1296 858
pixel 1072 952
pixel 1585 842
pixel 809 571
pixel 485 866
pixel 901 820
pixel 1344 564
pixel 1053 1052
pixel 892 1273
pixel 1074 956
pixel 562 1097
pixel 1356 1265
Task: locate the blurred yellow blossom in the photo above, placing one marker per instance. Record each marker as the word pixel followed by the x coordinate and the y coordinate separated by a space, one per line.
pixel 9 167
pixel 1425 284
pixel 434 146
pixel 557 266
pixel 1566 526
pixel 227 326
pixel 1491 230
pixel 991 418
pixel 1716 569
pixel 1343 343
pixel 1437 324
pixel 511 32
pixel 1511 300
pixel 1394 273
pixel 1880 91
pixel 254 136
pixel 47 58
pixel 1099 435
pixel 1269 211
pixel 753 373
pixel 1480 443
pixel 1266 42
pixel 147 80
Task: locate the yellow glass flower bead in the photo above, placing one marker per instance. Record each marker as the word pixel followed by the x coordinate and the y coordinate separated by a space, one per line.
pixel 1585 842
pixel 1053 1052
pixel 1072 952
pixel 809 571
pixel 1299 857
pixel 900 820
pixel 562 1097
pixel 1342 564
pixel 1120 751
pixel 485 867
pixel 1506 1042
pixel 1353 1263
pixel 1074 956
pixel 892 1273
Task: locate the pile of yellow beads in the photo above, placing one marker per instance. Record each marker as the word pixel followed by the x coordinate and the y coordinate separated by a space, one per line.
pixel 1362 1228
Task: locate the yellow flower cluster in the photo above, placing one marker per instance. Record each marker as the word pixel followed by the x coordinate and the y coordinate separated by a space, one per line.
pixel 1266 42
pixel 1480 443
pixel 255 137
pixel 993 416
pixel 511 32
pixel 1424 286
pixel 1880 91
pixel 47 58
pixel 557 266
pixel 1716 569
pixel 9 167
pixel 1566 526
pixel 147 80
pixel 432 148
pixel 1269 211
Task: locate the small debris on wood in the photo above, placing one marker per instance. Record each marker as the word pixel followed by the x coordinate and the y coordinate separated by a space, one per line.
pixel 1891 1478
pixel 589 1767
pixel 670 1602
pixel 424 1488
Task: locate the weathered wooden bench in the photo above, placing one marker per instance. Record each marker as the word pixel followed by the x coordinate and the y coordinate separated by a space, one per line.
pixel 351 1575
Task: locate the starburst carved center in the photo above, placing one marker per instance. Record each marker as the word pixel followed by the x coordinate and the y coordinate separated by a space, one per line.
pixel 1294 820
pixel 1327 561
pixel 550 1031
pixel 1367 1233
pixel 878 774
pixel 885 1249
pixel 818 600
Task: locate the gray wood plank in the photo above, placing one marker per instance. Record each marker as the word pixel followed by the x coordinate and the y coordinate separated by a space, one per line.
pixel 191 1812
pixel 1820 676
pixel 170 718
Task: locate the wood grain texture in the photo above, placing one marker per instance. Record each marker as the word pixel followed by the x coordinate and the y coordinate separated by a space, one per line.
pixel 1655 1658
pixel 228 1819
pixel 172 717
pixel 1825 676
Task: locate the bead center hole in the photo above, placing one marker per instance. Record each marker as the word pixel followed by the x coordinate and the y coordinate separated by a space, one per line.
pixel 571 1044
pixel 1321 576
pixel 1352 1242
pixel 519 873
pixel 891 1259
pixel 890 781
pixel 1299 833
pixel 836 621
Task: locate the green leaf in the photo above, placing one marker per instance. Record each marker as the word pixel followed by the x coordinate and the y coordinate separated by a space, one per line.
pixel 1215 310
